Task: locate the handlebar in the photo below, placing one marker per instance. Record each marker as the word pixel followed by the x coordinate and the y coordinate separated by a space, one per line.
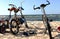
pixel 13 5
pixel 42 5
pixel 48 2
pixel 36 7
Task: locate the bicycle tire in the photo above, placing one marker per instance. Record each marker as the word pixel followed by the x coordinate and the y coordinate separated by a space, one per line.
pixel 12 26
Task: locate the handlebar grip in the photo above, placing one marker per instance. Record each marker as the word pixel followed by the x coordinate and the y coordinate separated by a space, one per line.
pixel 48 2
pixel 36 7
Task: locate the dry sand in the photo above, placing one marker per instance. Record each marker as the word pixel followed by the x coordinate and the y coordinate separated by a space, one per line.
pixel 40 34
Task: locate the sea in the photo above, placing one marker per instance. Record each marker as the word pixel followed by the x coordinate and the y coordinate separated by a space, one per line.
pixel 37 17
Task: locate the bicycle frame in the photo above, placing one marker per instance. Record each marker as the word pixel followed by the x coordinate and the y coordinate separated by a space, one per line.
pixel 45 19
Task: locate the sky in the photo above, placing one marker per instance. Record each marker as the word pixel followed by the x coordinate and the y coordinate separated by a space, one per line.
pixel 53 8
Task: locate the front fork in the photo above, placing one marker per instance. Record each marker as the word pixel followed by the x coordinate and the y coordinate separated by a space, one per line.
pixel 46 23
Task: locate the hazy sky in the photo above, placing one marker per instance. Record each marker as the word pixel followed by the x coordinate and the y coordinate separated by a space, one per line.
pixel 53 8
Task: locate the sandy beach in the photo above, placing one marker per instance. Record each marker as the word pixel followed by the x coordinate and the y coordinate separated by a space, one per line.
pixel 40 28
